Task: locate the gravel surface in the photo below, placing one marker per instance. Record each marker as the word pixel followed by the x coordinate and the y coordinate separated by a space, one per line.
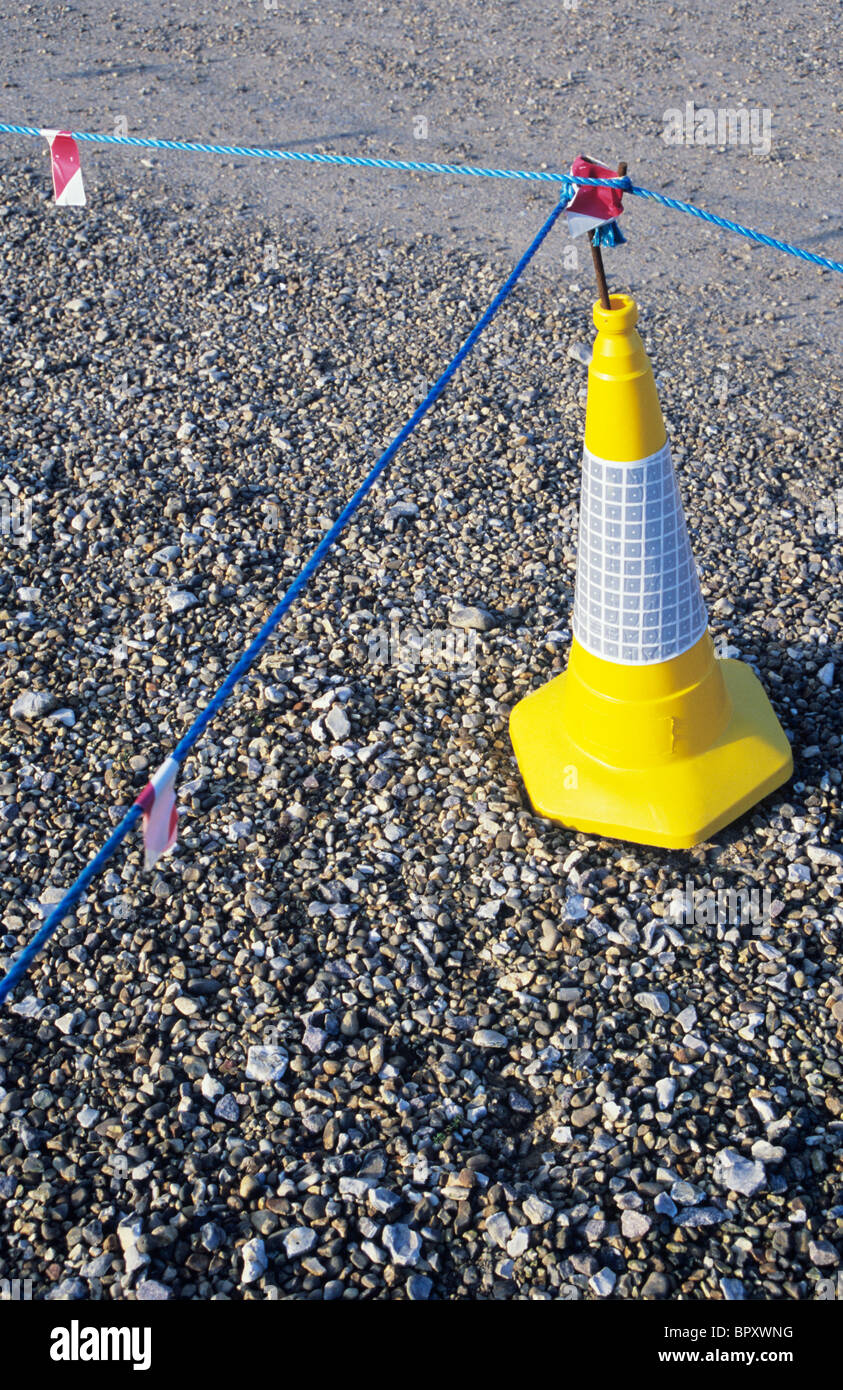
pixel 374 1030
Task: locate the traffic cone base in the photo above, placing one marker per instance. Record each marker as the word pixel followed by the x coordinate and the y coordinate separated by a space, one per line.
pixel 662 755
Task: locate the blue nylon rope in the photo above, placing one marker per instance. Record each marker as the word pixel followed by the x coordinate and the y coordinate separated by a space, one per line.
pixel 74 893
pixel 305 157
pixel 760 237
pixel 416 166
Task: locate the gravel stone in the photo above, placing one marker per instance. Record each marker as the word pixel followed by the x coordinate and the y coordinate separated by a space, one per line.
pixel 737 1173
pixel 403 1244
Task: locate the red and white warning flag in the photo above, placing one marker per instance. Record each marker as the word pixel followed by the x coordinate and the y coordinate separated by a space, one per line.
pixel 160 815
pixel 591 207
pixel 67 173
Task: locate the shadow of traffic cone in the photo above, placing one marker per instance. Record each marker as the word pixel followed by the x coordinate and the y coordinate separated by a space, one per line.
pixel 646 737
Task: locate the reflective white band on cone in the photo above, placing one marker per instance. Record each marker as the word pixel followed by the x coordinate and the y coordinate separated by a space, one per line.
pixel 638 598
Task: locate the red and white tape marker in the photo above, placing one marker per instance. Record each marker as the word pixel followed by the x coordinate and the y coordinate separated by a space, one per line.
pixel 67 173
pixel 591 207
pixel 160 815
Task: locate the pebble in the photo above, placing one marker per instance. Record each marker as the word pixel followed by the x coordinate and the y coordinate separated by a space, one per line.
pixel 733 1289
pixel 337 723
pixel 33 704
pixel 826 674
pixel 499 1228
pixel 656 1002
pixel 518 1242
pixel 180 600
pixel 580 352
pixel 603 1282
pixel 471 618
pixel 737 1173
pixel 656 1286
pixel 697 1217
pixel 536 1211
pixel 634 1225
pixel 402 1244
pixel 382 1200
pixel 300 1241
pixel 265 1063
pixel 665 1092
pixel 823 1254
pixel 419 1288
pixel 254 1260
pixel 826 856
pixel 151 1291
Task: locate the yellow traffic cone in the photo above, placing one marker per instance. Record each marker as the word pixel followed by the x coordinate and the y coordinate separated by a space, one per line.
pixel 646 737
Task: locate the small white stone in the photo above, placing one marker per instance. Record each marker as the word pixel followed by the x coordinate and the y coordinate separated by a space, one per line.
pixel 266 1063
pixel 824 855
pixel 766 1152
pixel 634 1225
pixel 62 716
pixel 33 704
pixel 300 1241
pixel 382 1200
pixel 337 723
pixel 665 1205
pixel 798 873
pixel 499 1228
pixel 180 600
pixel 128 1232
pixel 401 509
pixel 537 1211
pixel 580 352
pixel 402 1244
pixel 258 906
pixel 254 1260
pixel 562 1134
pixel 518 1242
pixel 603 1282
pixel 665 1092
pixel 134 1259
pixel 655 1002
pixel 739 1174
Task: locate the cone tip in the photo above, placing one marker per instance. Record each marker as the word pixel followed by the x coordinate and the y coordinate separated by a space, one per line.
pixel 622 316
